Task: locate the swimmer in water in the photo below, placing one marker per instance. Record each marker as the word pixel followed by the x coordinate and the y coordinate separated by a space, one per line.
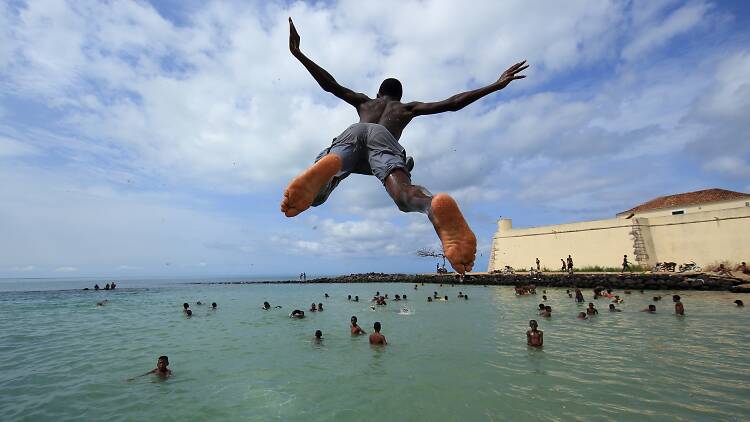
pixel 679 308
pixel 356 329
pixel 185 307
pixel 547 313
pixel 544 298
pixel 466 297
pixel 102 303
pixel 445 298
pixel 739 303
pixel 651 309
pixel 318 336
pixel 534 337
pixel 541 309
pixel 188 313
pixel 376 337
pixel 356 298
pixel 613 309
pixel 326 296
pixel 349 297
pixel 429 299
pixel 579 295
pixel 582 315
pixel 161 369
pixel 297 314
pixel 213 306
pixel 266 306
pixel 591 310
pixel 313 308
pixel 320 307
pixel 199 303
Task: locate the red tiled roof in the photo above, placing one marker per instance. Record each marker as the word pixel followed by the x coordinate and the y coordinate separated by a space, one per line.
pixel 689 198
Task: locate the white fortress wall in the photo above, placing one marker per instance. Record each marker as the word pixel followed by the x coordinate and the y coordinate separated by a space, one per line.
pixel 705 237
pixel 600 242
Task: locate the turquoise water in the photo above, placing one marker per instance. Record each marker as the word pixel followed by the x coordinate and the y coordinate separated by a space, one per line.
pixel 62 358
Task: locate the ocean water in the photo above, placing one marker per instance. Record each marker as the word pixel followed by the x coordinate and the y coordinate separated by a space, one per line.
pixel 63 358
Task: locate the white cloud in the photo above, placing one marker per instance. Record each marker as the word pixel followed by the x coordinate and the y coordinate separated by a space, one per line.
pixel 24 268
pixel 656 34
pixel 66 269
pixel 733 166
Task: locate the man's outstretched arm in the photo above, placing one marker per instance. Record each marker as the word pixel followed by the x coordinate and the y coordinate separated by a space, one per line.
pixel 459 101
pixel 324 79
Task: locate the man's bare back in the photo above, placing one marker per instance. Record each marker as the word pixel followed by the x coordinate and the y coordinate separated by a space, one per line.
pixel 387 111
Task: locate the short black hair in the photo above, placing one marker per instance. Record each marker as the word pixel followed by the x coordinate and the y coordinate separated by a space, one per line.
pixel 165 358
pixel 189 312
pixel 185 305
pixel 213 304
pixel 392 88
pixel 318 333
pixel 541 306
pixel 376 326
pixel 548 308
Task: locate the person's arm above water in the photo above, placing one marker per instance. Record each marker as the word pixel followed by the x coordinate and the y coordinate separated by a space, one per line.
pixel 324 79
pixel 459 101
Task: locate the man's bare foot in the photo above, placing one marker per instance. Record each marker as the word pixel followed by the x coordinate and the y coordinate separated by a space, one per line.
pixel 459 242
pixel 301 192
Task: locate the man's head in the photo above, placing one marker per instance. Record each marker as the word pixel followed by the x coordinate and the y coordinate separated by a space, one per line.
pixel 739 302
pixel 611 307
pixel 591 305
pixel 318 334
pixel 391 88
pixel 266 305
pixel 675 298
pixel 541 306
pixel 213 305
pixel 429 299
pixel 189 313
pixel 533 324
pixel 652 308
pixel 548 308
pixel 376 326
pixel 162 363
pixel 185 305
pixel 354 320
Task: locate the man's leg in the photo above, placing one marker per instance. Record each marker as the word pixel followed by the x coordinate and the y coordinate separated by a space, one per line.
pixel 301 192
pixel 459 242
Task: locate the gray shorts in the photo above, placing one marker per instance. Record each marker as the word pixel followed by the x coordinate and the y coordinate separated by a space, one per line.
pixel 364 148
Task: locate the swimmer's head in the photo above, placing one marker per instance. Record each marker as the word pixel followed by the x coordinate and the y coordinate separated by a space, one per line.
pixel 318 334
pixel 675 298
pixel 162 362
pixel 429 299
pixel 739 302
pixel 213 305
pixel 354 319
pixel 541 306
pixel 544 297
pixel 533 324
pixel 356 298
pixel 185 305
pixel 376 326
pixel 591 305
pixel 391 87
pixel 611 306
pixel 582 315
pixel 548 308
pixel 189 312
pixel 466 297
pixel 445 297
pixel 349 297
pixel 652 308
pixel 403 297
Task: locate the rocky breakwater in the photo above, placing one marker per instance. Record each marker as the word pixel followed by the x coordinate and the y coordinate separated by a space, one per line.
pixel 646 281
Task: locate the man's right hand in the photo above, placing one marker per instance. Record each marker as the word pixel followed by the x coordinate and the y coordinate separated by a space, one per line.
pixel 293 38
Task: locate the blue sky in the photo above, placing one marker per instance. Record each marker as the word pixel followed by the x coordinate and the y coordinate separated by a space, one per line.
pixel 156 138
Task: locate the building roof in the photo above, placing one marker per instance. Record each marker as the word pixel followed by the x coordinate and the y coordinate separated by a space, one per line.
pixel 688 198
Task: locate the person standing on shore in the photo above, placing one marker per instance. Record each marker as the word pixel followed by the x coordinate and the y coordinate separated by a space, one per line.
pixel 625 264
pixel 562 261
pixel 538 263
pixel 376 337
pixel 570 264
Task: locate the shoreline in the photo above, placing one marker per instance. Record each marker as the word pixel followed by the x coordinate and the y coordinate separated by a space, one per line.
pixel 692 281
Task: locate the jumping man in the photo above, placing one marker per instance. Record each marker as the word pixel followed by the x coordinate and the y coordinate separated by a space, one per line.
pixel 371 147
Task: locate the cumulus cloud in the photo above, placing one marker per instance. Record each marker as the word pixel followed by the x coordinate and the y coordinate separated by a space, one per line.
pixel 139 137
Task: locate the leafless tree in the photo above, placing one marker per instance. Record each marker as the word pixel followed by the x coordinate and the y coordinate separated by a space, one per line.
pixel 431 253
